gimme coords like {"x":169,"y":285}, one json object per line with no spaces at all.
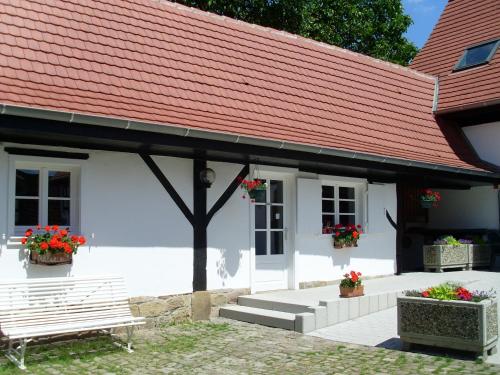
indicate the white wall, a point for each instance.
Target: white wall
{"x":376,"y":252}
{"x":476,"y":208}
{"x":485,"y":139}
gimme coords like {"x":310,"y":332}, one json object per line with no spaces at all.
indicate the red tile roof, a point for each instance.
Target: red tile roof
{"x":463,"y":23}
{"x":154,"y":61}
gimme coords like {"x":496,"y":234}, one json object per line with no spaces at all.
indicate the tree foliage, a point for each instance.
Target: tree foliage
{"x":372,"y":27}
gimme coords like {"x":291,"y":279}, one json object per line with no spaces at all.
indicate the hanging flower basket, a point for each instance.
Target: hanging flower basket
{"x":429,"y":198}
{"x":257,"y":195}
{"x":51,"y":246}
{"x":426,"y":204}
{"x":256,"y":189}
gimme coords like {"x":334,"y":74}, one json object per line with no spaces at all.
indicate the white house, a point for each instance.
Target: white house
{"x":110,"y":116}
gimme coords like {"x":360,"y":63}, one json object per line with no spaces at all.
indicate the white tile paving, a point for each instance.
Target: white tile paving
{"x":380,"y":329}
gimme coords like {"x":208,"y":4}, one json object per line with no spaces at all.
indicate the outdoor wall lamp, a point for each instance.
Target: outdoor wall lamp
{"x":207,"y":177}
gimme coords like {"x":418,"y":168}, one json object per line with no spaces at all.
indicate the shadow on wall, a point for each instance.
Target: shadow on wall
{"x":228,"y":264}
{"x":38,"y":271}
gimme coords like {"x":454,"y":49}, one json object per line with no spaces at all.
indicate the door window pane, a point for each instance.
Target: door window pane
{"x":260,"y":217}
{"x":27,"y":183}
{"x":59,"y":212}
{"x":276,"y":217}
{"x":276,"y":191}
{"x":26,"y":212}
{"x":347,"y":219}
{"x":276,"y":243}
{"x":59,"y":184}
{"x":260,"y":243}
{"x":327,"y":191}
{"x":346,"y":193}
{"x":347,"y":207}
{"x":328,"y":206}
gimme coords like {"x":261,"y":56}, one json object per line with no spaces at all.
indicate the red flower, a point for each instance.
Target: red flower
{"x":337,"y":234}
{"x":425,"y":294}
{"x":358,"y":226}
{"x":359,"y":273}
{"x":74,"y":239}
{"x":81,"y":240}
{"x":53,"y":243}
{"x":44,"y":246}
{"x":55,"y":227}
{"x":38,"y":227}
{"x":67,"y":248}
{"x":28,"y":233}
{"x":24,"y":240}
{"x":63,"y":232}
{"x":47,"y":228}
{"x":355,"y":234}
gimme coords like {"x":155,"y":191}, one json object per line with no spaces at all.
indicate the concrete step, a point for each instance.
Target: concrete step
{"x":253,"y":301}
{"x":264,"y":317}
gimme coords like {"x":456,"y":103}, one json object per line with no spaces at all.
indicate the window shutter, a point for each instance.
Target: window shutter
{"x":308,"y":206}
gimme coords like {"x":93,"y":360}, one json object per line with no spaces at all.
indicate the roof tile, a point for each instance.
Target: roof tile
{"x":159,"y":62}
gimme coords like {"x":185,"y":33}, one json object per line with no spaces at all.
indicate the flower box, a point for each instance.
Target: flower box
{"x":479,"y":255}
{"x":462,"y":325}
{"x":348,"y":292}
{"x":50,"y":259}
{"x":439,"y":257}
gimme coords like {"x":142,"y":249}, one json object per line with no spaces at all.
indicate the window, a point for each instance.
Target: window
{"x":338,"y":206}
{"x":45,"y":196}
{"x":477,"y":55}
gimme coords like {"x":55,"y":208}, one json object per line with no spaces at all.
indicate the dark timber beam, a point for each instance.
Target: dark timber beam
{"x":400,"y":227}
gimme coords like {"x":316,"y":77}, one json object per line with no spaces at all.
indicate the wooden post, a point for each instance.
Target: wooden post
{"x":199,"y":227}
{"x":400,"y":226}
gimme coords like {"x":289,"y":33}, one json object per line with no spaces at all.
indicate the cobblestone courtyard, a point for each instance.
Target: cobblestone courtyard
{"x":228,"y":347}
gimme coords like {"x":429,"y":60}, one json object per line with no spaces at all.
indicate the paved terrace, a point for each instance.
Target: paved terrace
{"x":229,"y":347}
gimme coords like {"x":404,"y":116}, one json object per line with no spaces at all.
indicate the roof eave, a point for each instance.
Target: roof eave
{"x":173,"y":129}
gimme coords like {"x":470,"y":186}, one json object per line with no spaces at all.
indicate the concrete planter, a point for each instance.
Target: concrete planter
{"x":479,"y":256}
{"x":439,"y":257}
{"x":458,"y":325}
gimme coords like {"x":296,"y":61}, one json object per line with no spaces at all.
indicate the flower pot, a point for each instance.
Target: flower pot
{"x":439,"y":257}
{"x":338,"y":245}
{"x":347,"y":292}
{"x":426,"y":204}
{"x":458,"y":325}
{"x":50,"y":259}
{"x":258,"y":195}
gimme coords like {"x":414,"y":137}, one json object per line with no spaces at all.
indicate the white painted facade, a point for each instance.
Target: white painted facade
{"x":485,"y":139}
{"x":135,"y":229}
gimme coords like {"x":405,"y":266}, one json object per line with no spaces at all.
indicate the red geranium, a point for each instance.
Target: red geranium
{"x":53,"y":241}
{"x":351,"y":279}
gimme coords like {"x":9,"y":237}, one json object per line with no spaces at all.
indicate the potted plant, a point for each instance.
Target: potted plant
{"x":351,"y":285}
{"x":449,"y":316}
{"x":446,"y":252}
{"x":429,"y":198}
{"x":51,"y":245}
{"x":256,"y":189}
{"x":346,"y":235}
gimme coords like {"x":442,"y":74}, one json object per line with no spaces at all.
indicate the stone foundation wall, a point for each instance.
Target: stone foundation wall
{"x":177,"y":308}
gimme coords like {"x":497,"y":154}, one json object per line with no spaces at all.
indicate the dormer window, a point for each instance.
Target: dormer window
{"x":477,"y":55}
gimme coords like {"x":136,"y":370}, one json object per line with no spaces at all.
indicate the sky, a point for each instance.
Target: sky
{"x":425,"y":14}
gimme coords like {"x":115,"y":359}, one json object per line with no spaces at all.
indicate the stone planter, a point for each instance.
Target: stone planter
{"x":50,"y":259}
{"x":458,"y":325}
{"x":439,"y":257}
{"x":479,"y":256}
{"x":351,"y":292}
{"x":343,"y":245}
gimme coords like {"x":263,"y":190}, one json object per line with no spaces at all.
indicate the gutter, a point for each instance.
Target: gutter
{"x":173,"y":129}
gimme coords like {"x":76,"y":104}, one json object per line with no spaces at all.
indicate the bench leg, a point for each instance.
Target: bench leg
{"x":16,"y":355}
{"x":130,"y":332}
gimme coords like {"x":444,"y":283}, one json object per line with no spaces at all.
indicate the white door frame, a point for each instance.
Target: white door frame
{"x":288,"y":176}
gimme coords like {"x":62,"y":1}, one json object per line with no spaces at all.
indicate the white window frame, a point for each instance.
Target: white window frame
{"x":359,"y":209}
{"x":44,"y":165}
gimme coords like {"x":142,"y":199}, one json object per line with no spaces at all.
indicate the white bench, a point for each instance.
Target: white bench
{"x":44,"y":307}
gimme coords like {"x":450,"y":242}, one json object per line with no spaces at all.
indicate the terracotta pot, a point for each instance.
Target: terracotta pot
{"x":346,"y":292}
{"x":50,"y":259}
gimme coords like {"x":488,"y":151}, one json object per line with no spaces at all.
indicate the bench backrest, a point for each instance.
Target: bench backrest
{"x":33,"y":302}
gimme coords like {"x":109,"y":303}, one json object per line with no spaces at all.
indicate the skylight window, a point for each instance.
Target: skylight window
{"x":477,"y":55}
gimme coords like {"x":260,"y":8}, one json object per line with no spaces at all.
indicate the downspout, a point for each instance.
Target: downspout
{"x":436,"y":95}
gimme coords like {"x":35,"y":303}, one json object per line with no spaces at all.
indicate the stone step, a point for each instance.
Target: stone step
{"x":252,"y":301}
{"x":270,"y":318}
